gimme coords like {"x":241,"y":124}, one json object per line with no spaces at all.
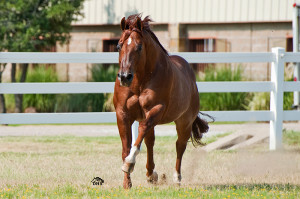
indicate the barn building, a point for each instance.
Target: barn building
{"x":186,"y":26}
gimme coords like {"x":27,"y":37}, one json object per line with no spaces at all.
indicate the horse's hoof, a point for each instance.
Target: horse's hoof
{"x":128,"y":167}
{"x":127,"y":183}
{"x":153,"y":178}
{"x":177,"y":178}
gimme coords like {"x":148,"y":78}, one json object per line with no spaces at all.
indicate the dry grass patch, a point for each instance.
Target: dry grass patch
{"x":67,"y":164}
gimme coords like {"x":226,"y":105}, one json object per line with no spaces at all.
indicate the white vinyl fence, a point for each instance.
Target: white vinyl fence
{"x":276,"y":87}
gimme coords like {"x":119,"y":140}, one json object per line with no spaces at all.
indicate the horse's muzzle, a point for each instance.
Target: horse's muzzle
{"x":125,"y":78}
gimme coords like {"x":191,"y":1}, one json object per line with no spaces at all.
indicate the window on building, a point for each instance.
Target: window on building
{"x":201,"y":45}
{"x":110,"y":45}
{"x":207,"y":45}
{"x":289,"y":44}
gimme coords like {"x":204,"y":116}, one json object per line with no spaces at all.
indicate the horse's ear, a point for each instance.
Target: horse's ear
{"x":123,"y":23}
{"x":139,"y":24}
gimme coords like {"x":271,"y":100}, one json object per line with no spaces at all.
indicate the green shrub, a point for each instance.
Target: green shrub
{"x":261,"y":101}
{"x":79,"y":102}
{"x":288,"y":100}
{"x":104,"y":73}
{"x":67,"y":102}
{"x":223,"y":101}
{"x":42,"y":102}
{"x":90,"y":102}
{"x":10,"y":102}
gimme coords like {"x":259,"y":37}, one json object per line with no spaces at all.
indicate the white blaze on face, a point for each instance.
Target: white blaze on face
{"x":129,"y":41}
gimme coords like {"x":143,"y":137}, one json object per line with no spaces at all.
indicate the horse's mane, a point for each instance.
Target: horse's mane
{"x":131,"y":24}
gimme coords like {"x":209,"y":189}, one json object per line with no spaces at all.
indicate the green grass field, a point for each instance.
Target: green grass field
{"x":63,"y":167}
{"x":221,"y":191}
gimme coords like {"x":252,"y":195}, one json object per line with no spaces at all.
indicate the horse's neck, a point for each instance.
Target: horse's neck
{"x":155,"y":59}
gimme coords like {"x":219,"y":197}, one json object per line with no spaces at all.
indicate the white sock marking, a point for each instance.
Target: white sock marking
{"x":133,"y":153}
{"x":176,"y":177}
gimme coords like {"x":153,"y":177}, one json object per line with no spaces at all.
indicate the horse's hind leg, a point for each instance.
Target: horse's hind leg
{"x":184,"y":133}
{"x":149,"y":139}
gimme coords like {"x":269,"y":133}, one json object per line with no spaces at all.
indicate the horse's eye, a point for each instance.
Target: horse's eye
{"x":119,"y":47}
{"x":139,"y":47}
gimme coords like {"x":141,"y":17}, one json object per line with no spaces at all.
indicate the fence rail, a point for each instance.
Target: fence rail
{"x":109,"y":58}
{"x":276,"y":87}
{"x":108,"y":87}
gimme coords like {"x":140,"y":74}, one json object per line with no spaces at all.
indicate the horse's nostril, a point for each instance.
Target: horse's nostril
{"x":129,"y":76}
{"x":123,"y":77}
{"x":119,"y":76}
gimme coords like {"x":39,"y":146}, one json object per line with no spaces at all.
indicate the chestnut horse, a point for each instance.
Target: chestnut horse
{"x":153,"y":88}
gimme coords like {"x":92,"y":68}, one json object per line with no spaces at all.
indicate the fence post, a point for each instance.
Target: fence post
{"x":135,"y":132}
{"x":276,"y":98}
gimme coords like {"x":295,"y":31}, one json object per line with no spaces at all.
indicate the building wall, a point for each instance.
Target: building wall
{"x":240,"y":25}
{"x":251,"y":37}
{"x":239,"y":37}
{"x":245,"y":25}
{"x":88,"y":39}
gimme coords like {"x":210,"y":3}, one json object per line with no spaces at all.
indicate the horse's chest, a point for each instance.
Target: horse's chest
{"x":139,"y":105}
{"x":132,"y":102}
{"x":134,"y":107}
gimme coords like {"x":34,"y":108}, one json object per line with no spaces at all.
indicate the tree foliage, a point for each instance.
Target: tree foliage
{"x":35,"y":25}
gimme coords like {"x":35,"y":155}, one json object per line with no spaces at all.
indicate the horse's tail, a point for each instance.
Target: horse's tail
{"x":199,"y":127}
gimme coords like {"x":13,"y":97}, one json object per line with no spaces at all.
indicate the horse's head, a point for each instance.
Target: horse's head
{"x":131,"y":47}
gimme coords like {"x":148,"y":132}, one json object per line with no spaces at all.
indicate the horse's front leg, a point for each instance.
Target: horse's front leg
{"x":152,"y":118}
{"x":124,"y":125}
{"x":152,"y":176}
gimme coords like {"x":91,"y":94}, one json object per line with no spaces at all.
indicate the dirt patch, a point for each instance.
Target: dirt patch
{"x":250,"y":165}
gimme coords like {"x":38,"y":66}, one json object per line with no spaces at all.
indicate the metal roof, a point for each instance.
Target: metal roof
{"x":101,"y":12}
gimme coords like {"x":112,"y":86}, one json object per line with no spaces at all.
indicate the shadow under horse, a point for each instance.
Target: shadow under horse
{"x":153,"y":88}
